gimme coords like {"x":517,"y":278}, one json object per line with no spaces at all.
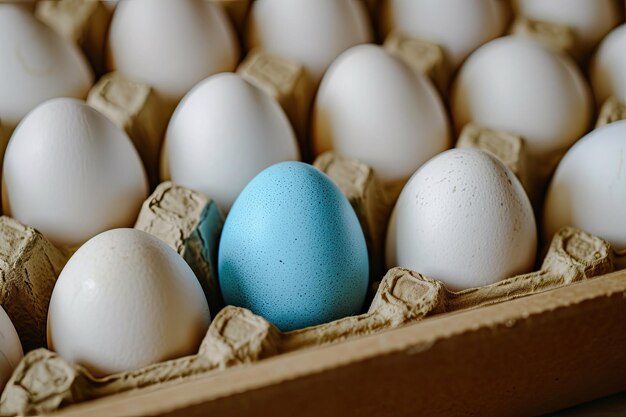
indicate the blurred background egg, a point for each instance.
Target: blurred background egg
{"x":312,"y":32}
{"x":588,"y":190}
{"x":11,"y":352}
{"x":374,"y":108}
{"x":518,"y":86}
{"x":126,"y":300}
{"x":171,"y":45}
{"x":608,"y":68}
{"x":292,"y":249}
{"x":71,"y":173}
{"x":36,"y":65}
{"x":590,"y":20}
{"x":223,"y":133}
{"x":457,"y":26}
{"x":464,"y":219}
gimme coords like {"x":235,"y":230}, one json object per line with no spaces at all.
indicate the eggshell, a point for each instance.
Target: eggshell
{"x":588,"y":190}
{"x":457,"y":26}
{"x":516,"y":85}
{"x":608,"y":68}
{"x":126,"y":300}
{"x":171,"y":45}
{"x":10,"y":348}
{"x":36,"y":64}
{"x":372,"y":107}
{"x":312,"y":32}
{"x":464,"y":219}
{"x":223,"y":133}
{"x":71,"y":173}
{"x":292,"y":249}
{"x":589,"y":19}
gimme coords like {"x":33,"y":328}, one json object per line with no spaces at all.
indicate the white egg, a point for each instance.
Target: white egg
{"x":458,"y":26}
{"x":223,"y":133}
{"x":10,"y":348}
{"x":36,"y":65}
{"x":126,"y":300}
{"x":71,"y":173}
{"x":464,"y":219}
{"x":608,"y":68}
{"x":312,"y":32}
{"x":589,"y":19}
{"x":588,"y":190}
{"x":516,"y":85}
{"x":171,"y":45}
{"x":372,"y":107}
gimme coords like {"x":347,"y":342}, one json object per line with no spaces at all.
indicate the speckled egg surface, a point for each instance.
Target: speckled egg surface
{"x":464,"y":219}
{"x":292,"y":249}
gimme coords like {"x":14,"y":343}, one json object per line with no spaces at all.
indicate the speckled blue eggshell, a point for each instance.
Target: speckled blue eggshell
{"x":292,"y":249}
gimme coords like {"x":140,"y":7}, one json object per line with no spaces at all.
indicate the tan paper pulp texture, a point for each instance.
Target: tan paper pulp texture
{"x":553,"y":35}
{"x":43,"y":381}
{"x":29,"y":267}
{"x":523,"y":357}
{"x":422,"y":57}
{"x":134,"y":108}
{"x":84,"y":22}
{"x":191,"y":224}
{"x":286,"y":81}
{"x":612,"y":111}
{"x":507,"y":148}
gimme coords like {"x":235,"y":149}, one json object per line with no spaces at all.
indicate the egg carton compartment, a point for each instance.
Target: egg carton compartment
{"x":190,"y":223}
{"x":44,"y":382}
{"x":611,"y":111}
{"x":559,"y":37}
{"x":85,"y":23}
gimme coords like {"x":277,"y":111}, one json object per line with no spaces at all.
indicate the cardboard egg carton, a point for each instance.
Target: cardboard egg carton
{"x":29,"y":268}
{"x":611,"y":111}
{"x":44,"y":382}
{"x":191,"y":224}
{"x":84,"y":22}
{"x":135,"y":108}
{"x":422,"y":57}
{"x":286,"y":81}
{"x":557,"y":37}
{"x":506,"y":147}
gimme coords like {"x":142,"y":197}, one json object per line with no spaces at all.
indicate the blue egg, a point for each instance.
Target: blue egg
{"x":292,"y":249}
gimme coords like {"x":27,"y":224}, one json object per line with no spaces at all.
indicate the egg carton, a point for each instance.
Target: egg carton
{"x":190,"y":223}
{"x":85,"y":23}
{"x":611,"y":111}
{"x":560,"y":38}
{"x":136,"y":109}
{"x":29,"y":267}
{"x":286,"y":81}
{"x":43,"y":382}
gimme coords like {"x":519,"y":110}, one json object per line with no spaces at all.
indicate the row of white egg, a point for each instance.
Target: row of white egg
{"x":510,"y":84}
{"x":175,"y":54}
{"x":41,"y":145}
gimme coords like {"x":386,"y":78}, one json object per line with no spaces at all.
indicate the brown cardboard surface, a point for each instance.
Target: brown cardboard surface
{"x":135,"y":108}
{"x":558,"y":37}
{"x":611,"y":111}
{"x":524,"y":357}
{"x":44,"y":382}
{"x":422,"y":57}
{"x":83,"y":22}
